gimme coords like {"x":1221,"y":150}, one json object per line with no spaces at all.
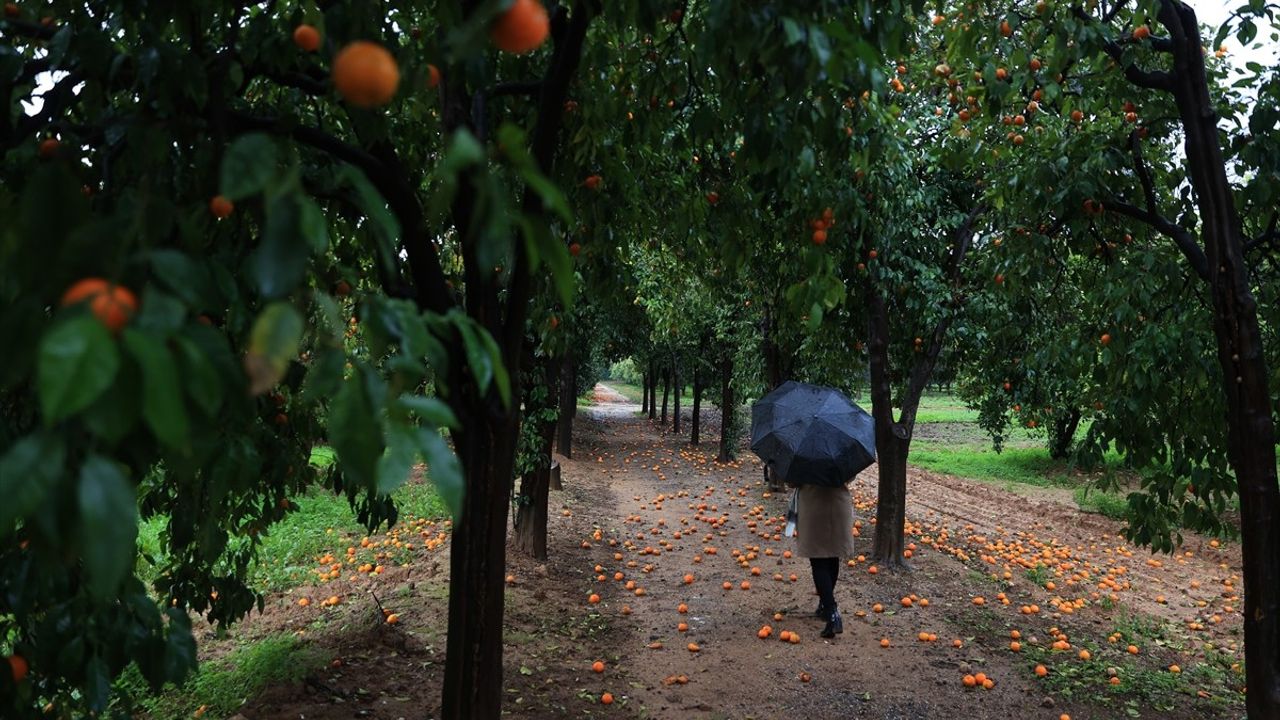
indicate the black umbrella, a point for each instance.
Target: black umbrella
{"x":812,"y":435}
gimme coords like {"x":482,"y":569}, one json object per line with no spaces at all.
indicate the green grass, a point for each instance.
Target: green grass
{"x":936,"y":407}
{"x":321,"y":522}
{"x":1093,"y":500}
{"x":223,"y":685}
{"x":1027,"y":466}
{"x":634,"y":393}
{"x":289,"y":548}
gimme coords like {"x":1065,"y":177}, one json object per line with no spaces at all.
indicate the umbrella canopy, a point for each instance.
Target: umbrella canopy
{"x":812,"y":435}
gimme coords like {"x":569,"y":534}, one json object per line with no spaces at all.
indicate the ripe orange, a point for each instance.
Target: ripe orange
{"x":727,"y":585}
{"x":682,"y":608}
{"x":688,"y":578}
{"x":593,"y":599}
{"x":713,"y":197}
{"x":597,"y":666}
{"x":220,"y":206}
{"x":365,"y":74}
{"x":693,"y":647}
{"x":1141,"y":32}
{"x":392,"y":619}
{"x":969,"y":681}
{"x":113,"y":305}
{"x":1133,"y":649}
{"x":764,"y":632}
{"x":18,"y":666}
{"x":303,"y":602}
{"x":1005,"y":29}
{"x":1015,"y":646}
{"x":592,"y":182}
{"x":606,"y":699}
{"x":884,"y":642}
{"x":11,"y":10}
{"x":306,"y":37}
{"x":1041,"y":671}
{"x":907,"y":602}
{"x":1105,"y":339}
{"x":1175,"y":669}
{"x":48,"y":148}
{"x":433,"y":76}
{"x":522,"y":28}
{"x":819,"y":237}
{"x":682,"y":627}
{"x":1084,"y":655}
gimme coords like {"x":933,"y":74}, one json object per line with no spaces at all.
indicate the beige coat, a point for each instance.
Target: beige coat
{"x":825,"y":524}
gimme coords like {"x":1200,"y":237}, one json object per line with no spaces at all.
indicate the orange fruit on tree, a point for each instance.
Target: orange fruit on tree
{"x":220,"y":207}
{"x":48,"y":148}
{"x":1141,"y":32}
{"x":306,"y":37}
{"x":433,"y":76}
{"x":113,"y":305}
{"x":521,"y":28}
{"x":365,"y":74}
{"x":18,"y":667}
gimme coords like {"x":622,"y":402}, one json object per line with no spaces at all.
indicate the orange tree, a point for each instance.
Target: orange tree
{"x":1131,"y":128}
{"x":274,"y":225}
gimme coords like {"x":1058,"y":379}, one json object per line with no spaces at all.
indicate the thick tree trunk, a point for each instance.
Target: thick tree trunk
{"x":1251,"y":440}
{"x":530,"y":535}
{"x":675,"y":401}
{"x":695,"y":424}
{"x":666,"y":392}
{"x":893,"y":439}
{"x":891,"y":510}
{"x":1063,"y":433}
{"x":568,"y":404}
{"x":777,"y":362}
{"x":486,"y":446}
{"x":726,"y":410}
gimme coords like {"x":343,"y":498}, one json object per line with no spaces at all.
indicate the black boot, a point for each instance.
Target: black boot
{"x":823,"y":612}
{"x":835,"y":624}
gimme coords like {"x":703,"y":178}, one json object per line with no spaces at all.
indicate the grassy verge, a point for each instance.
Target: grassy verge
{"x":223,"y":685}
{"x":286,"y":558}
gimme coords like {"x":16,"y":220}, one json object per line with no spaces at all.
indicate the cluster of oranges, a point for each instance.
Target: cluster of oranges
{"x":821,"y":225}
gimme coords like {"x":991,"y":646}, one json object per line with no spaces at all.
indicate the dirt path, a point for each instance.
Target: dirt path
{"x":641,"y":511}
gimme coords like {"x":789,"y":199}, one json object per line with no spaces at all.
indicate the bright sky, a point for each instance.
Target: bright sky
{"x":1265,"y":49}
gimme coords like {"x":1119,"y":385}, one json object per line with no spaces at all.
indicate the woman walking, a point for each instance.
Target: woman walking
{"x":825,"y":536}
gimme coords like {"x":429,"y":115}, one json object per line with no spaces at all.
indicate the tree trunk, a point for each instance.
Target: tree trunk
{"x":486,"y":445}
{"x":1063,"y":433}
{"x":696,"y":421}
{"x":891,"y":509}
{"x":666,"y":392}
{"x":644,"y":402}
{"x":530,"y":535}
{"x":568,"y":404}
{"x":675,"y":401}
{"x":726,"y":410}
{"x":1251,"y":440}
{"x":653,"y":389}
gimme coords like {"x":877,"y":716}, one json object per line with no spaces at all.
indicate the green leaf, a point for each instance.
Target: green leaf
{"x":312,"y":225}
{"x":28,"y":471}
{"x":356,"y":431}
{"x":397,"y":460}
{"x":76,"y":363}
{"x":248,"y":166}
{"x":443,"y":469}
{"x":202,"y":383}
{"x":479,"y":360}
{"x":162,"y":406}
{"x":273,"y":343}
{"x":324,"y":377}
{"x":109,"y":520}
{"x":430,"y":410}
{"x":280,"y":262}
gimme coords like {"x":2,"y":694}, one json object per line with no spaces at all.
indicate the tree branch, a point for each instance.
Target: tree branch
{"x":1150,"y":79}
{"x":1183,"y":239}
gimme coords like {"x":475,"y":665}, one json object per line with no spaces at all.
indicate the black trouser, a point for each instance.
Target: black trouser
{"x":825,"y":573}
